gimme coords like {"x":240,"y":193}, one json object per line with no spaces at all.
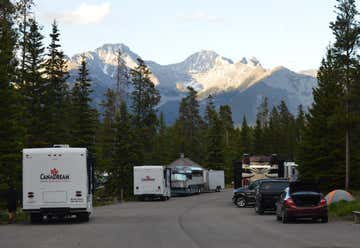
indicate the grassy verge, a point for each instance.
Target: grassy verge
{"x":20,"y":216}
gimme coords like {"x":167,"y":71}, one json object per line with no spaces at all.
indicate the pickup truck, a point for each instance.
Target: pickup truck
{"x":267,"y":194}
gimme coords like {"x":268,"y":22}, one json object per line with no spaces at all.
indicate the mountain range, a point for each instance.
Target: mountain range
{"x":241,"y":84}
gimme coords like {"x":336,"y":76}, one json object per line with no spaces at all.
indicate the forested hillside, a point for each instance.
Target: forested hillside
{"x":39,"y":108}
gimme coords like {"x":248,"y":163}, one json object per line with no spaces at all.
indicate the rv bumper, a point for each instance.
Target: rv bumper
{"x":46,"y":211}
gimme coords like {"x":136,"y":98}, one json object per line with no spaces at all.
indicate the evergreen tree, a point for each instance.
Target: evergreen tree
{"x":245,"y":138}
{"x":321,"y":155}
{"x":24,"y":22}
{"x":214,"y":152}
{"x":263,"y":113}
{"x":274,"y":131}
{"x":122,"y":78}
{"x":57,"y":93}
{"x":11,"y":130}
{"x":33,"y":88}
{"x":300,"y":123}
{"x":84,"y":117}
{"x":145,"y":97}
{"x":227,"y":123}
{"x":163,"y":152}
{"x":107,"y":132}
{"x":124,"y":156}
{"x":229,"y":141}
{"x":258,"y":146}
{"x":346,"y":30}
{"x":189,"y":127}
{"x":287,"y":131}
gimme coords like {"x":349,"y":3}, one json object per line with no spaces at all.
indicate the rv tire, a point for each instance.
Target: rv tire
{"x":83,"y":217}
{"x":35,"y":218}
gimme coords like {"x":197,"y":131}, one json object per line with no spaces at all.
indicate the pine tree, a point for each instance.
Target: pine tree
{"x":346,"y":30}
{"x":24,"y":13}
{"x":124,"y":157}
{"x":258,"y":146}
{"x":11,"y":130}
{"x":107,"y":132}
{"x":84,"y":117}
{"x":300,"y":125}
{"x":145,"y":97}
{"x":122,"y":79}
{"x":287,"y":133}
{"x":263,"y":113}
{"x":57,"y":92}
{"x":227,"y":123}
{"x":274,"y":131}
{"x":321,"y":155}
{"x":245,"y":138}
{"x":163,"y":152}
{"x":189,"y":127}
{"x":33,"y":88}
{"x":214,"y":151}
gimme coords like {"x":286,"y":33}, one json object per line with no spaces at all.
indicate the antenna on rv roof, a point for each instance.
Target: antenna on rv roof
{"x":61,"y":146}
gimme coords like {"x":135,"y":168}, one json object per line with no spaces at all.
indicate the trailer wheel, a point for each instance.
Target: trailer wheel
{"x":35,"y":218}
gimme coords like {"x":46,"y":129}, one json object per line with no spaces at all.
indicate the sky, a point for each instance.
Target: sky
{"x":292,"y":33}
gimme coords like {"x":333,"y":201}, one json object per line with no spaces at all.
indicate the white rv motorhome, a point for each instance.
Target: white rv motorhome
{"x":215,"y":180}
{"x":152,"y":182}
{"x":57,"y":182}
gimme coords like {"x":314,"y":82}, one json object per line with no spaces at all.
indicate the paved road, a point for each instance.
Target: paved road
{"x":208,"y":220}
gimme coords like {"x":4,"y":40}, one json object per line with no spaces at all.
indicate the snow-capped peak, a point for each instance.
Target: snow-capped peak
{"x":201,"y":62}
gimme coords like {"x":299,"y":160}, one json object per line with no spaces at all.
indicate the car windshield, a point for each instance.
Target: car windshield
{"x":274,"y":186}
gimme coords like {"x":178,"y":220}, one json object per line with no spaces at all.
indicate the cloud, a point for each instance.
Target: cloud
{"x":86,"y":14}
{"x":199,"y":16}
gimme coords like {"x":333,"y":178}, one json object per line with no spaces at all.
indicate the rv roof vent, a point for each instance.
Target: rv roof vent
{"x":61,"y":146}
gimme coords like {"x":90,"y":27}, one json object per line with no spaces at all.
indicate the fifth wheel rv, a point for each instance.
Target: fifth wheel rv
{"x":57,"y":182}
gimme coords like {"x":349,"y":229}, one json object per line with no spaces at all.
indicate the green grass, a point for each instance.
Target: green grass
{"x":20,"y":216}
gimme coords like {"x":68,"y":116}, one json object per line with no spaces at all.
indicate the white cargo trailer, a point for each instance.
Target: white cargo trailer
{"x":152,"y":182}
{"x":57,"y":182}
{"x":215,"y":180}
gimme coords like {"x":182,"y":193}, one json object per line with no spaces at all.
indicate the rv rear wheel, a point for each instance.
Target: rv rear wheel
{"x":83,"y":217}
{"x":35,"y":218}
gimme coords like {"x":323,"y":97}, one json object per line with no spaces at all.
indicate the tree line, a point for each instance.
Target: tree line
{"x":39,"y":108}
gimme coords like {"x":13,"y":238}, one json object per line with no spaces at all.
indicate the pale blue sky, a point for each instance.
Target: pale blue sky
{"x":293,"y":33}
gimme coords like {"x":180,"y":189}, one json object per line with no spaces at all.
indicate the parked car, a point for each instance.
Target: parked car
{"x":267,"y":193}
{"x":245,"y":196}
{"x":301,"y":200}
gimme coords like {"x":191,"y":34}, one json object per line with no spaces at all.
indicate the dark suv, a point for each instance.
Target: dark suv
{"x":268,"y":193}
{"x":245,"y":196}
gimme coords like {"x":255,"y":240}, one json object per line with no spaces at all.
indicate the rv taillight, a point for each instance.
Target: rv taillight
{"x":78,"y":193}
{"x":30,"y":194}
